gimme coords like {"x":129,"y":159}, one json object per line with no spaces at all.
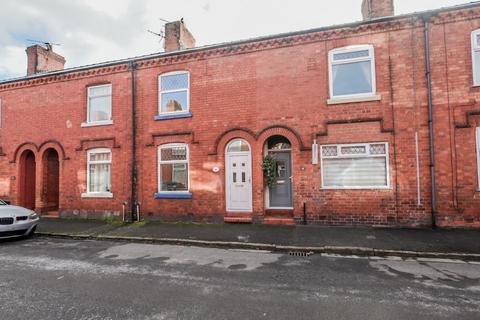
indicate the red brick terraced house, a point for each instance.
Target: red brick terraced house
{"x":370,"y":123}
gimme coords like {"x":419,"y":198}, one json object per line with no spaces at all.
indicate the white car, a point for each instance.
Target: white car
{"x":16,"y":221}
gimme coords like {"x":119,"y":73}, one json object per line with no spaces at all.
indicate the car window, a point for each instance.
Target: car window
{"x":3,"y":203}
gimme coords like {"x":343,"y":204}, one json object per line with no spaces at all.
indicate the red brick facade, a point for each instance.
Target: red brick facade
{"x":277,"y":86}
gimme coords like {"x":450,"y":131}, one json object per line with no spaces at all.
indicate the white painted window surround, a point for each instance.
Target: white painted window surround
{"x":174,"y":93}
{"x":99,"y":173}
{"x":352,"y":73}
{"x":99,"y":106}
{"x":476,"y":57}
{"x":173,"y":175}
{"x":355,"y":166}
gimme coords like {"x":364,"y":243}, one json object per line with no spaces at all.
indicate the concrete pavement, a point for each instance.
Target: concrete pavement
{"x":453,"y":244}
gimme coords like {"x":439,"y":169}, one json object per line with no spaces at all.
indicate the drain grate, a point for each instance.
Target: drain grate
{"x":300,"y":253}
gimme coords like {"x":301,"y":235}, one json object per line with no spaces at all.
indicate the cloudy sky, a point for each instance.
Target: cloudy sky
{"x":91,"y":31}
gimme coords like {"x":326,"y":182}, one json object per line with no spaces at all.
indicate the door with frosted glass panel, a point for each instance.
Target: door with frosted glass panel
{"x":239,"y":183}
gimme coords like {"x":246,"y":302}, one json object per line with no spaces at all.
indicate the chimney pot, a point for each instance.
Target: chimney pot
{"x":40,"y":59}
{"x":178,"y":37}
{"x":372,"y":9}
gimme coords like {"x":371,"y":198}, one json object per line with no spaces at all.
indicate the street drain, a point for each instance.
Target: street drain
{"x":300,"y":253}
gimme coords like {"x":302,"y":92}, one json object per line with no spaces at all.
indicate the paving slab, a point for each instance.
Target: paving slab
{"x":411,"y":240}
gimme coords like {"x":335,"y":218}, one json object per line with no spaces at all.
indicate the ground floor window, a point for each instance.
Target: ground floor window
{"x":350,"y":166}
{"x":99,"y":173}
{"x":173,"y":168}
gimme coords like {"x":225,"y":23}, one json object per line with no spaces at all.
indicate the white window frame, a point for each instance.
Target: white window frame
{"x":89,"y":123}
{"x":90,"y":194}
{"x":365,"y":155}
{"x":160,"y":92}
{"x":478,"y":157}
{"x":475,"y":49}
{"x":160,"y":162}
{"x":348,"y":49}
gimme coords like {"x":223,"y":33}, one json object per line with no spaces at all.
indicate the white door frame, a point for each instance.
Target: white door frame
{"x":249,"y":182}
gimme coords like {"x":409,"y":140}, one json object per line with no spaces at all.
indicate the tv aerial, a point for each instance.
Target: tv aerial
{"x":48,"y":44}
{"x":160,"y":34}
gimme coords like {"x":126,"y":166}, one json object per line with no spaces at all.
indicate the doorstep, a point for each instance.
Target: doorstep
{"x":50,"y":214}
{"x":279,"y":221}
{"x":233,"y":217}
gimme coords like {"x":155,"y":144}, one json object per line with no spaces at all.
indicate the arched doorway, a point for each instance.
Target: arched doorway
{"x":280,"y":194}
{"x":50,"y":181}
{"x":238,"y":176}
{"x":27,"y":180}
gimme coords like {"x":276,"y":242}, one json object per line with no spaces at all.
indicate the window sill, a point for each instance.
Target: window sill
{"x":96,"y":124}
{"x":334,"y":101}
{"x":173,"y":195}
{"x":173,"y":116}
{"x":105,"y":195}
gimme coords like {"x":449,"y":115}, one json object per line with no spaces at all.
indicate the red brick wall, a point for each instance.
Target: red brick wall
{"x":454,"y":96}
{"x":272,"y":87}
{"x":49,"y":115}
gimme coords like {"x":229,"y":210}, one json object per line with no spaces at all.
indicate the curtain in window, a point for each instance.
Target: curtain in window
{"x":100,"y":109}
{"x":100,"y":178}
{"x":100,"y":172}
{"x":355,"y":172}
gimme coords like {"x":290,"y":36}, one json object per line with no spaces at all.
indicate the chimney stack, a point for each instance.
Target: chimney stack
{"x":177,"y":36}
{"x":372,"y":9}
{"x":40,"y":59}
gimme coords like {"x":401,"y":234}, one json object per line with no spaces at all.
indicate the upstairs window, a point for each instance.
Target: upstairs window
{"x":355,"y":166}
{"x":99,"y":168}
{"x":173,"y":168}
{"x":99,"y":104}
{"x":174,"y":92}
{"x":476,"y":57}
{"x":352,"y":72}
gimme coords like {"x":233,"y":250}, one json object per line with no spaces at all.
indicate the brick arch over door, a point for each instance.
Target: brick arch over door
{"x":261,"y":136}
{"x":39,"y":149}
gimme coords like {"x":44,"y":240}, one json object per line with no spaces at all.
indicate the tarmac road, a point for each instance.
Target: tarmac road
{"x":44,"y":278}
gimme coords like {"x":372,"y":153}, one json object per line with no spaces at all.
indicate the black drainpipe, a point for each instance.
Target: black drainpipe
{"x":426,"y":24}
{"x":134,"y":199}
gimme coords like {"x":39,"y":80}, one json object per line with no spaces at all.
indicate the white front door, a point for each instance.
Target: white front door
{"x":239,"y":182}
